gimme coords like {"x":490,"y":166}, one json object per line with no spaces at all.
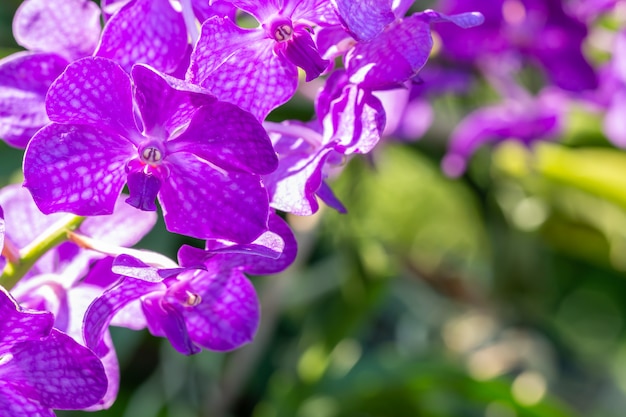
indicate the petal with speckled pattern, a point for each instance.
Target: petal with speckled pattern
{"x":95,"y":92}
{"x":228,"y":315}
{"x":24,"y":81}
{"x":76,"y":168}
{"x":145,"y":31}
{"x":70,"y":28}
{"x":228,"y":137}
{"x":201,"y":201}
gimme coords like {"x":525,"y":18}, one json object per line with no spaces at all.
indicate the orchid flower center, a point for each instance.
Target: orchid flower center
{"x":279,"y":28}
{"x":283,"y":33}
{"x":192,"y":299}
{"x":151,"y":154}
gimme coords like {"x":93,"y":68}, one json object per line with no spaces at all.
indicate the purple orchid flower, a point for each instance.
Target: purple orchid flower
{"x":390,"y":49}
{"x":527,"y":120}
{"x":202,"y":157}
{"x":56,"y":32}
{"x":536,"y":29}
{"x":351,"y":120}
{"x":41,"y":368}
{"x":256,"y":69}
{"x":206,"y":302}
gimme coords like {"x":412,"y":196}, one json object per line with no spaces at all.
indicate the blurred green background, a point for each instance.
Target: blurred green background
{"x":501,"y":294}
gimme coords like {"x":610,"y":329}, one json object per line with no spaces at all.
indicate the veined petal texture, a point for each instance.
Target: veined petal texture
{"x":145,"y":31}
{"x":104,"y":308}
{"x":365,"y":19}
{"x":56,"y":371}
{"x":239,"y":66}
{"x":70,"y":28}
{"x":14,"y":404}
{"x":76,"y":168}
{"x":391,"y":58}
{"x":18,"y":325}
{"x":200,"y":200}
{"x":95,"y":92}
{"x":228,"y":137}
{"x":24,"y":81}
{"x":165,"y":103}
{"x":228,"y":315}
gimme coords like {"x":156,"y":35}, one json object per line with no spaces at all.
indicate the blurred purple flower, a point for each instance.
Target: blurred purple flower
{"x":525,"y":120}
{"x":202,"y":157}
{"x":540,"y":30}
{"x":42,"y":368}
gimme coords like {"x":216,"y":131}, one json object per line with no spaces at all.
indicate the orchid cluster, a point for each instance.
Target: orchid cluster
{"x":125,"y":103}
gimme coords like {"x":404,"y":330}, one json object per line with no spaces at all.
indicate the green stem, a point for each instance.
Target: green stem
{"x":51,"y":237}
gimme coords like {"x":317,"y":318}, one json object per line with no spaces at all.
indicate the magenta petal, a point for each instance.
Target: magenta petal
{"x":145,"y":31}
{"x":70,"y":28}
{"x":101,"y":311}
{"x":301,"y":51}
{"x":14,"y":404}
{"x":228,"y":137}
{"x":19,"y":325}
{"x":125,"y":227}
{"x":271,"y":253}
{"x":165,"y":103}
{"x":143,"y":189}
{"x":333,"y":41}
{"x":57,"y":372}
{"x":130,"y":266}
{"x":462,"y":20}
{"x":239,"y":66}
{"x":112,"y":370}
{"x":228,"y":315}
{"x":24,"y":81}
{"x":293,"y":185}
{"x":96,"y":92}
{"x":393,"y":57}
{"x":365,"y":19}
{"x":201,"y":201}
{"x":357,"y":118}
{"x":164,"y":319}
{"x":78,"y":169}
{"x":325,"y":193}
{"x":264,"y":265}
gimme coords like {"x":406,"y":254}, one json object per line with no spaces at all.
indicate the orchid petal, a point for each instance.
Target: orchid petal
{"x":70,"y":28}
{"x":201,"y":201}
{"x":96,"y":92}
{"x":78,"y":169}
{"x":225,"y":135}
{"x":24,"y":81}
{"x":228,"y":314}
{"x":145,"y":31}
